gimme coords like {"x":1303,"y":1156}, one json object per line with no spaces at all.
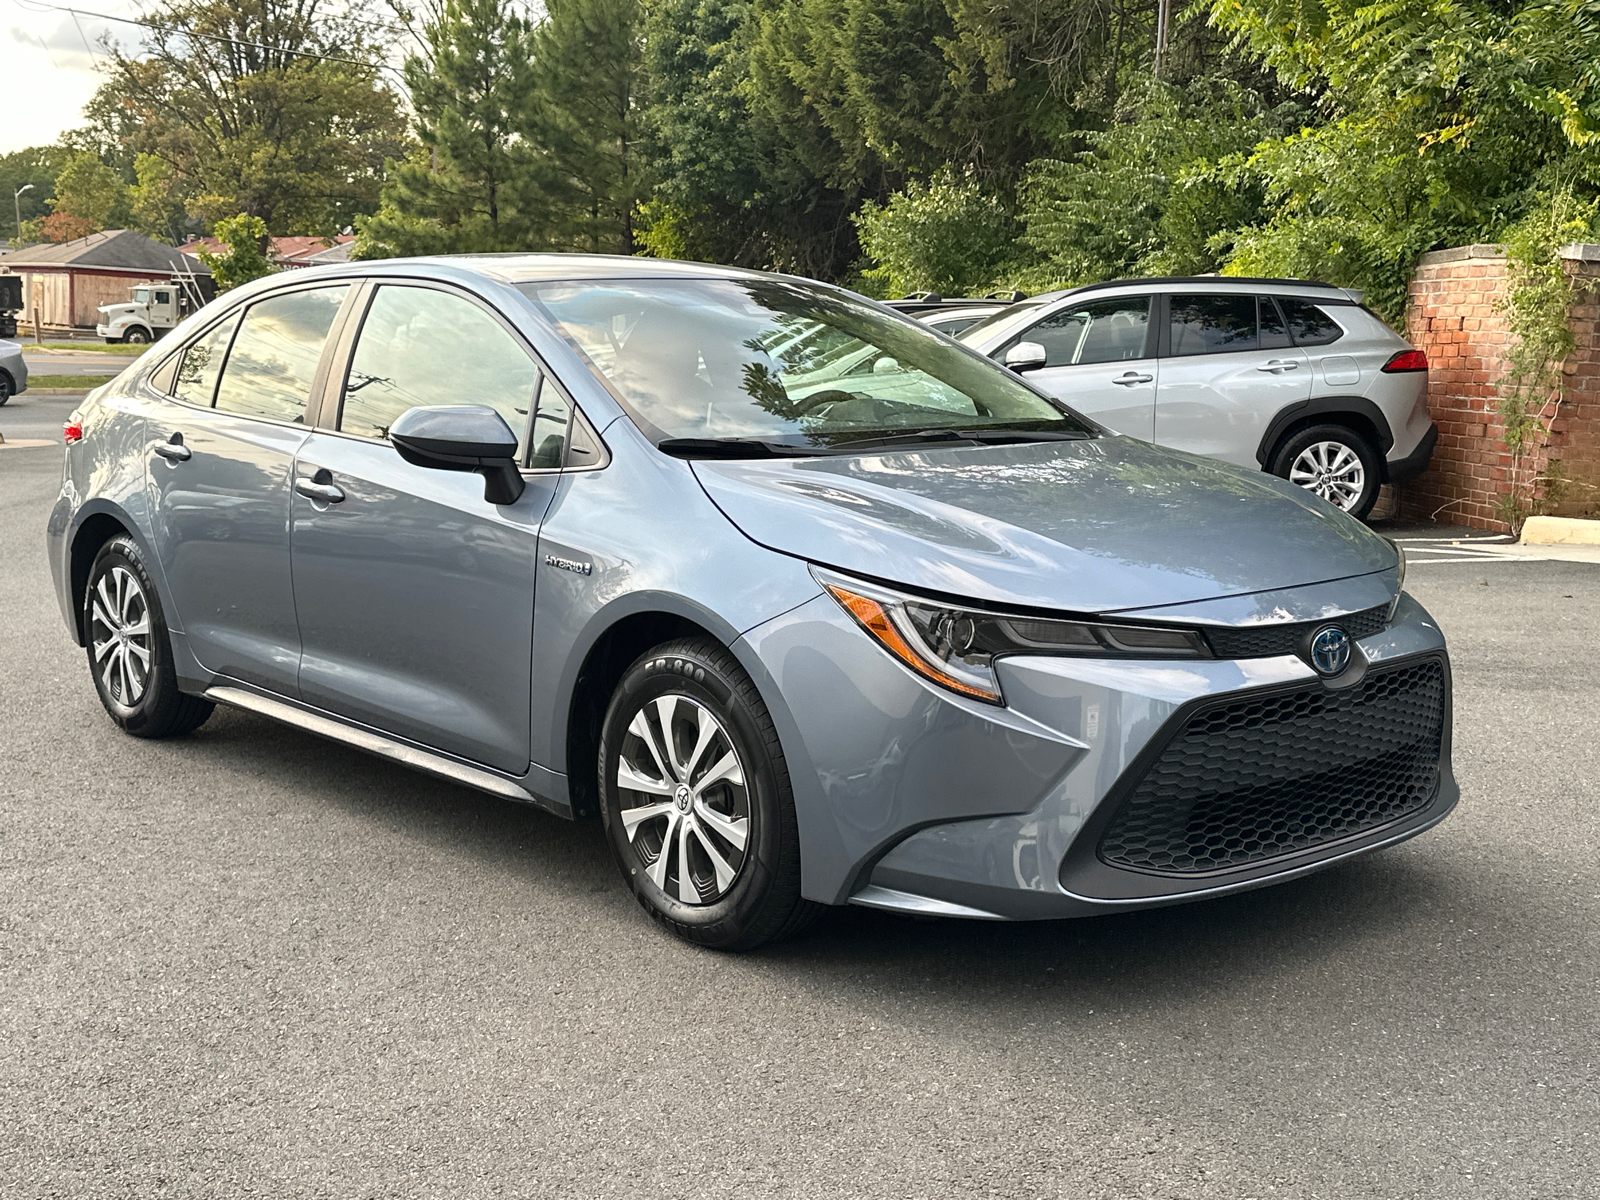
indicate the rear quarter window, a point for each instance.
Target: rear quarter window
{"x":1308,"y":324}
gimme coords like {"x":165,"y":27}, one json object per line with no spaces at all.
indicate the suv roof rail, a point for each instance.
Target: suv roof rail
{"x":1203,"y":279}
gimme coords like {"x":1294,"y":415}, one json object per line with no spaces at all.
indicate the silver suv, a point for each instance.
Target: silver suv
{"x":1296,"y":378}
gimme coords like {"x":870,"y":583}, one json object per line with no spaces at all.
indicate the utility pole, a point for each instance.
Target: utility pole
{"x":1163,"y":8}
{"x":16,"y":205}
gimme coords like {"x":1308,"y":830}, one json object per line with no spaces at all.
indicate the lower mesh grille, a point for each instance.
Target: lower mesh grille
{"x":1252,"y":779}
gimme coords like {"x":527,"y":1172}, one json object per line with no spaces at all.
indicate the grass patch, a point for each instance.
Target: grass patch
{"x":67,"y":381}
{"x":90,"y":347}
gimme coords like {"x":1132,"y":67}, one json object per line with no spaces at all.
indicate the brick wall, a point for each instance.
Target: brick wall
{"x":1453,"y":317}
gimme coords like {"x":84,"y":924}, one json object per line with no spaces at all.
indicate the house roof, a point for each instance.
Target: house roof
{"x":295,"y":251}
{"x":111,"y":249}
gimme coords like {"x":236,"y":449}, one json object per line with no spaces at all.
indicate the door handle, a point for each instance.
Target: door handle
{"x":326,"y":493}
{"x":173,"y":449}
{"x":1276,"y":365}
{"x":1131,"y":378}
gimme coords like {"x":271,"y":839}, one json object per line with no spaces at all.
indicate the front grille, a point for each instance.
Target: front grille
{"x":1268,"y":641}
{"x":1252,"y":779}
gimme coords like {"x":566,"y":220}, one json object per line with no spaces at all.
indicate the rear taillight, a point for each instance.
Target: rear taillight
{"x":1406,"y":360}
{"x":72,"y":431}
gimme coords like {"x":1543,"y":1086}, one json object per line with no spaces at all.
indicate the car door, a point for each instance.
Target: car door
{"x":1227,"y":368}
{"x":221,"y":455}
{"x":414,"y":593}
{"x":1100,"y":361}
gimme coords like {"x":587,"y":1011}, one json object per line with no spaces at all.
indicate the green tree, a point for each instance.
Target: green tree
{"x":1442,"y":122}
{"x":270,"y":107}
{"x":93,"y":193}
{"x":585,"y":120}
{"x":471,"y":186}
{"x":157,"y":210}
{"x":949,"y":236}
{"x":245,"y":236}
{"x":38,"y":166}
{"x":1148,"y":195}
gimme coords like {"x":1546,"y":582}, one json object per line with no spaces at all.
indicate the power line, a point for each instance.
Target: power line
{"x":40,"y":6}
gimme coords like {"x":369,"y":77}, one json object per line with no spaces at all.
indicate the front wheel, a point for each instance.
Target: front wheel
{"x":130,"y":656}
{"x":136,"y":337}
{"x":1336,"y":463}
{"x":696,"y":800}
{"x":6,"y":388}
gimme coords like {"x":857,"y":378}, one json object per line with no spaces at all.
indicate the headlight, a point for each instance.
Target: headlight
{"x":957,"y":647}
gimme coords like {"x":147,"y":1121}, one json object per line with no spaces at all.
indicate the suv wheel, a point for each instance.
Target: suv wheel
{"x":130,"y":656}
{"x":1336,"y":463}
{"x":696,"y":800}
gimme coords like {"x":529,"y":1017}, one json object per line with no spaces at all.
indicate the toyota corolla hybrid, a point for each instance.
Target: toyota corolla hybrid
{"x":810,"y":604}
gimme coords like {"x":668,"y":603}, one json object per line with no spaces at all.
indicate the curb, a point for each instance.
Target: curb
{"x":1560,"y":531}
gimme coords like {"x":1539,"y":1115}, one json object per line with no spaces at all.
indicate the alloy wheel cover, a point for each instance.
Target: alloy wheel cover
{"x":1333,"y":471}
{"x":119,"y":632}
{"x":685,"y":803}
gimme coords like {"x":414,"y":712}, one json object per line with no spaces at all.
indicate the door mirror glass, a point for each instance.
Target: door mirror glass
{"x":461,"y":437}
{"x":1025,"y":356}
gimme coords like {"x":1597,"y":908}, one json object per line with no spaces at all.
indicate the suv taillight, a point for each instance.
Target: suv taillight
{"x":1406,"y":360}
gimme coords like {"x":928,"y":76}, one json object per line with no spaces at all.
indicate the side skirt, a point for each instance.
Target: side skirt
{"x":381,"y":744}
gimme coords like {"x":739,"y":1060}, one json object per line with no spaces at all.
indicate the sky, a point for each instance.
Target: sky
{"x":50,"y":64}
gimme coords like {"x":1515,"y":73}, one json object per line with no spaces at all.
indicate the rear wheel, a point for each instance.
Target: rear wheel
{"x":130,"y":655}
{"x":696,"y":800}
{"x":1336,"y":463}
{"x":6,"y":388}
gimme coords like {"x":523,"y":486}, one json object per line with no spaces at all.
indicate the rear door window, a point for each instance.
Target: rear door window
{"x":422,"y":346}
{"x":202,"y":364}
{"x":1309,"y":325}
{"x":1213,"y":324}
{"x":274,"y":359}
{"x":1100,"y":331}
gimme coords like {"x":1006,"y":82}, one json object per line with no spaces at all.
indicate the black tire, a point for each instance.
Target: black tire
{"x":1337,"y":487}
{"x":141,"y":698}
{"x":761,"y":902}
{"x":137,"y":337}
{"x":6,"y":388}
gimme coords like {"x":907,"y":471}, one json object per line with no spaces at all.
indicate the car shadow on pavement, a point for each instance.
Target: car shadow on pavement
{"x":1377,"y":905}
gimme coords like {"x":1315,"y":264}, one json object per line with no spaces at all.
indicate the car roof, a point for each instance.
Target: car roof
{"x":516,"y":267}
{"x":1309,"y":288}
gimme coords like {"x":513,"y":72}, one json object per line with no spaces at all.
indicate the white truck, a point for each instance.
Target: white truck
{"x":153,"y":309}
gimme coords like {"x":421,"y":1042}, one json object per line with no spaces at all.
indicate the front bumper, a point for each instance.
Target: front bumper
{"x":913,"y":799}
{"x":110,"y":332}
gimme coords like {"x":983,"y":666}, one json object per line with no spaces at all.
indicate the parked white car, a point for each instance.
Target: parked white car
{"x":1296,"y":378}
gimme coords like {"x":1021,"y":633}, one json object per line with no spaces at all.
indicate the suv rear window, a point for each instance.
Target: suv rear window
{"x":1308,"y":324}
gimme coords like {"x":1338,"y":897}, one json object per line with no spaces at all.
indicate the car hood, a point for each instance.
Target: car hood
{"x":114,"y":309}
{"x":1094,"y":526}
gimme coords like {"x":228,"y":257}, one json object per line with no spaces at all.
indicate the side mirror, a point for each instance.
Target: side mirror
{"x":462,"y":437}
{"x":1025,"y":356}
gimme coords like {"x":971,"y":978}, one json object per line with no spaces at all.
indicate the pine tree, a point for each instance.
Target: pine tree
{"x":584,"y":120}
{"x":473,"y":184}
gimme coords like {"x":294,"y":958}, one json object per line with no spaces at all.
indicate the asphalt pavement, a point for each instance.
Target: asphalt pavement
{"x":253,"y":963}
{"x":72,"y":362}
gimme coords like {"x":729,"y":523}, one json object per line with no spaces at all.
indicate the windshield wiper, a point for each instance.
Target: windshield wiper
{"x":736,"y":448}
{"x":986,"y":437}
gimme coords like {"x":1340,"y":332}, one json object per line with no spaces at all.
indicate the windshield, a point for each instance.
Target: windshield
{"x":141,"y":295}
{"x":779,"y":361}
{"x":1005,"y":322}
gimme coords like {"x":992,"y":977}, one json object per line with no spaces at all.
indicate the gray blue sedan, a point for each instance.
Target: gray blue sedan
{"x":807,"y":603}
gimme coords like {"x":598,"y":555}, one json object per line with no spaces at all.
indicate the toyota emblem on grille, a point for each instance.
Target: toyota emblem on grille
{"x":1330,"y":650}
